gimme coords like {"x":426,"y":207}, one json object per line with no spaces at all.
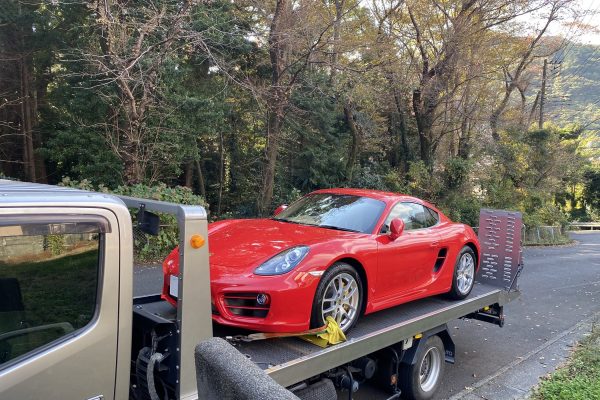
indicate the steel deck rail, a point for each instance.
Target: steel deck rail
{"x":292,"y":360}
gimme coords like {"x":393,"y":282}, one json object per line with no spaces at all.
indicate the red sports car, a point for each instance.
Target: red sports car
{"x":334,"y":252}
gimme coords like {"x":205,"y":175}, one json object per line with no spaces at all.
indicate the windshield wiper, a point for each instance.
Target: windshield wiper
{"x":338,"y":228}
{"x":285,"y":220}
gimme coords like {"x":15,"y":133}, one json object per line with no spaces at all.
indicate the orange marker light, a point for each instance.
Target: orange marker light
{"x":197,"y":241}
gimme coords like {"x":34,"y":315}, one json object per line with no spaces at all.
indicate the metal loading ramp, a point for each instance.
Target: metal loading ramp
{"x":292,"y":360}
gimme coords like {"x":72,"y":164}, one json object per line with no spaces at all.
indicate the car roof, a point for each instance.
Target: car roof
{"x":374,"y":194}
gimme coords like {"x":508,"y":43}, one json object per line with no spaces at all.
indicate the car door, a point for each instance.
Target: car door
{"x":405,"y":265}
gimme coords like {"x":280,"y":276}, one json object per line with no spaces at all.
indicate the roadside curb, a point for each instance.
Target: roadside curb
{"x":517,"y":379}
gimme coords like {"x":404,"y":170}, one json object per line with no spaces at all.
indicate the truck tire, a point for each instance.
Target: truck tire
{"x":419,"y":381}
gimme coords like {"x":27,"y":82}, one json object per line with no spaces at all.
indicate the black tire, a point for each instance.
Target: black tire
{"x":412,"y":385}
{"x":339,"y":269}
{"x":458,"y":290}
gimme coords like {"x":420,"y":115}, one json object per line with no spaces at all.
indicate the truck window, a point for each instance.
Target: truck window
{"x":48,"y":284}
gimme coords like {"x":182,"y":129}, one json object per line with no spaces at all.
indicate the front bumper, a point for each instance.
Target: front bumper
{"x":289,"y":308}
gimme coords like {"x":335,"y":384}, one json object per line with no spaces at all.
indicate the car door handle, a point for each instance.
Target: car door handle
{"x":435,"y":244}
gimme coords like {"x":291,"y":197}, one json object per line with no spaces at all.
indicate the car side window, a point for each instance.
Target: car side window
{"x":415,"y":216}
{"x":432,"y":216}
{"x":48,"y":284}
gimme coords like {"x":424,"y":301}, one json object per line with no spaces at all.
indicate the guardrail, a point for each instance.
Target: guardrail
{"x":585,"y":226}
{"x":543,"y":234}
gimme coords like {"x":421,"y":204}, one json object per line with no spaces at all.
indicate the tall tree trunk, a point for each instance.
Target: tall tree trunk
{"x":277,"y":100}
{"x":424,"y":124}
{"x":201,"y":181}
{"x":273,"y":133}
{"x":26,"y":112}
{"x":234,"y":155}
{"x":405,"y":157}
{"x":27,"y":120}
{"x":464,"y":140}
{"x":221,"y":172}
{"x":354,"y":144}
{"x":533,"y":108}
{"x":496,"y":113}
{"x":132,"y":163}
{"x":189,"y":175}
{"x":339,"y":12}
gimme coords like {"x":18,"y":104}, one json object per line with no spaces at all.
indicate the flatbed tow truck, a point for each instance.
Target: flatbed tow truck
{"x":143,"y":348}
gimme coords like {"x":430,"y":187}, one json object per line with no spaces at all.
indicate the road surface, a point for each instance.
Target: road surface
{"x":560,"y":288}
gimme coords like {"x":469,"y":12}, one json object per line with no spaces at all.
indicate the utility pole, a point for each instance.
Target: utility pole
{"x":543,"y":94}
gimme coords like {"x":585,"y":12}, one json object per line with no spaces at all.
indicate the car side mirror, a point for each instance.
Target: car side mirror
{"x":280,"y":209}
{"x":396,"y":228}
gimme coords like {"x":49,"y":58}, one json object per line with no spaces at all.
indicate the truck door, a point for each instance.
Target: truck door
{"x":59,"y":296}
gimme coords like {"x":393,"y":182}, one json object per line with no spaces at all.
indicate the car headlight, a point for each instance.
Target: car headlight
{"x":283,"y":262}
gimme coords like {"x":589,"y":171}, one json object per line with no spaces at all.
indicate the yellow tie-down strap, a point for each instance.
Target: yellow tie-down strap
{"x":333,"y":335}
{"x":322,"y":337}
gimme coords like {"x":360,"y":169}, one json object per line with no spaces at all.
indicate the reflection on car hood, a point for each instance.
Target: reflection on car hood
{"x":249,"y":242}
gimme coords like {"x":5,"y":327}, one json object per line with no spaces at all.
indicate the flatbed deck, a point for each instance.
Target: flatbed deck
{"x":292,"y":360}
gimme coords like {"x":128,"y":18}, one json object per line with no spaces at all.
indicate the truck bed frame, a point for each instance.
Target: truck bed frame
{"x":293,"y":360}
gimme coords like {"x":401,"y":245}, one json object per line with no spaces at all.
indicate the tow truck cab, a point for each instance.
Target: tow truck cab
{"x":66,"y":278}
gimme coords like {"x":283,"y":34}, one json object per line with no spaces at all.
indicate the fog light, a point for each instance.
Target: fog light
{"x":262,"y":299}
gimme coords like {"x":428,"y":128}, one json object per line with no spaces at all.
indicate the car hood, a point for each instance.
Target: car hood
{"x":248,"y":242}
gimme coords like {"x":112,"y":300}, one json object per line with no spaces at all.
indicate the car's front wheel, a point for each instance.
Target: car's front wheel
{"x":339,"y":295}
{"x":464,"y":274}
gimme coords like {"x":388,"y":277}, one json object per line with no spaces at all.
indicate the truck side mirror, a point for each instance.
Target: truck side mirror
{"x":148,"y":222}
{"x":396,"y":228}
{"x":280,"y":209}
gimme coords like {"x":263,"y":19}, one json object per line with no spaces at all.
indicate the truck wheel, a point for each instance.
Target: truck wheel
{"x":420,"y":380}
{"x":464,"y":274}
{"x":339,"y":295}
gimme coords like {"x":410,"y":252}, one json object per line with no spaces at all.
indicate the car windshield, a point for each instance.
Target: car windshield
{"x":335,"y":211}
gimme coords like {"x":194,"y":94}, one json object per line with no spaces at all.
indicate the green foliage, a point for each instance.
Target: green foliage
{"x":462,"y":208}
{"x":456,"y":172}
{"x":591,"y":189}
{"x":547,"y":214}
{"x":368,"y":177}
{"x":56,"y":244}
{"x":81,"y":154}
{"x":422,"y":182}
{"x":154,"y":248}
{"x":580,"y":378}
{"x":72,"y":279}
{"x":147,"y":247}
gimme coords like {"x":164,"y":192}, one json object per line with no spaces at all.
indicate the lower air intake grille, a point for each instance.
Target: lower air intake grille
{"x":245,"y":305}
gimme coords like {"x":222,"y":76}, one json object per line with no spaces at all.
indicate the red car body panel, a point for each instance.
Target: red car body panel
{"x":394,"y":271}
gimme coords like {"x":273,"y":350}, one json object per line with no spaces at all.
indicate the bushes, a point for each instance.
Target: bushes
{"x":547,"y":214}
{"x":150,"y":248}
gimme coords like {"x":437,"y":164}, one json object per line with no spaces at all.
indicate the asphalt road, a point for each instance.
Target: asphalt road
{"x":560,"y":287}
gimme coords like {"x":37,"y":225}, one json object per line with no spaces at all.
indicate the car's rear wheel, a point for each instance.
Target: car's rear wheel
{"x":339,"y":295}
{"x":464,"y":274}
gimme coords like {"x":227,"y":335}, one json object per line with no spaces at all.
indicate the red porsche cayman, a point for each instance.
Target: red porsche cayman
{"x":334,"y":252}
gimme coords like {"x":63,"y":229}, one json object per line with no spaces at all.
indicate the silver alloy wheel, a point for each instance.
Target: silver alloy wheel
{"x":466,"y":273}
{"x":429,"y":370}
{"x":340,"y":300}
